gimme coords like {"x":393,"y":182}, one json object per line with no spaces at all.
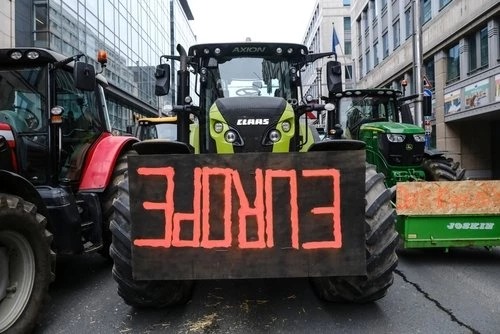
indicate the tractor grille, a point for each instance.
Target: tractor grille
{"x":407,"y":153}
{"x":252,"y":118}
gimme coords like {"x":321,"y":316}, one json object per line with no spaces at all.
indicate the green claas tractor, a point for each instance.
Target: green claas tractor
{"x":248,"y":189}
{"x":427,"y":211}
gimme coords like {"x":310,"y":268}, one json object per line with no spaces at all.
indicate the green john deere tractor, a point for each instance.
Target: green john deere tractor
{"x":393,"y":143}
{"x":432,"y":212}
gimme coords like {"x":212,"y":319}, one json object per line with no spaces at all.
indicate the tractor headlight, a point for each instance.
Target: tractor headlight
{"x":33,"y":55}
{"x":218,"y":127}
{"x":285,"y":126}
{"x":395,"y":138}
{"x":16,"y":55}
{"x":230,"y":136}
{"x":274,"y":136}
{"x":419,"y":138}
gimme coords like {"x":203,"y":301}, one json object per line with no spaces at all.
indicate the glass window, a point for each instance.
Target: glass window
{"x":347,"y":23}
{"x":373,"y":7}
{"x":483,"y":49}
{"x":346,"y":3}
{"x":368,"y":59}
{"x":478,"y":49}
{"x":348,"y":72}
{"x":396,"y":33}
{"x":426,"y":10}
{"x":453,"y":63}
{"x":443,"y":3}
{"x":472,"y":53}
{"x":347,"y":47}
{"x":385,"y":45}
{"x":41,"y":24}
{"x":82,"y":124}
{"x":375,"y":54}
{"x":429,"y":70}
{"x":408,"y":23}
{"x":23,"y":102}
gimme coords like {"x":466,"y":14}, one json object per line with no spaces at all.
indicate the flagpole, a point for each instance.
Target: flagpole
{"x":340,"y":46}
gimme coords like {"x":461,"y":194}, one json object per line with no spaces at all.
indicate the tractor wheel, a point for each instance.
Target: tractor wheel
{"x":148,"y":293}
{"x":108,"y":196}
{"x":439,"y":168}
{"x":380,"y":250}
{"x":26,"y":264}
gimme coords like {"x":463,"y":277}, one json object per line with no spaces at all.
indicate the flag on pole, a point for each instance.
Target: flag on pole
{"x":335,"y":38}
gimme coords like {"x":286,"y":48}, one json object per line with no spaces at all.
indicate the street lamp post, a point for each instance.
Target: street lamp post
{"x":417,"y":61}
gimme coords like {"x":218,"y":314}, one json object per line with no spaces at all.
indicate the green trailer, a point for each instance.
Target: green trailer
{"x":448,"y":214}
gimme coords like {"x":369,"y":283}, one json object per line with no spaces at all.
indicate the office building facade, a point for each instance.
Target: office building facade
{"x":329,"y":30}
{"x":133,"y":33}
{"x":460,"y":67}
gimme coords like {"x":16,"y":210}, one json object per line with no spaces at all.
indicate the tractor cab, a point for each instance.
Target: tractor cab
{"x":54,"y":113}
{"x":250,"y":96}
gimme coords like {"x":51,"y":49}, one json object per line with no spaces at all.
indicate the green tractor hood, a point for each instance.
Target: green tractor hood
{"x":396,"y":149}
{"x":390,"y":127}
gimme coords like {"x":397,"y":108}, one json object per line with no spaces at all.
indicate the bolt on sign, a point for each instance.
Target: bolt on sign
{"x":247,"y":215}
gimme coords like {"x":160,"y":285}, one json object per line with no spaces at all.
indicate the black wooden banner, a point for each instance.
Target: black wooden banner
{"x":248,"y":215}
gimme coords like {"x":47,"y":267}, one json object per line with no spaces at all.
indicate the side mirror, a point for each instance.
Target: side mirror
{"x":334,"y":76}
{"x":84,"y":76}
{"x":162,"y":75}
{"x":406,"y":116}
{"x":427,"y":105}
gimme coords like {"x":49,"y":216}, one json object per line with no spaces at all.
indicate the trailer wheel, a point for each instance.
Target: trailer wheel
{"x":149,"y":293}
{"x":439,"y":168}
{"x":26,"y":264}
{"x":108,"y":196}
{"x":381,"y":243}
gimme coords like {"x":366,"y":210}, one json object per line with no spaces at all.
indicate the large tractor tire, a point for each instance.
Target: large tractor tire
{"x":107,"y":198}
{"x":26,"y":264}
{"x":380,"y":250}
{"x":440,"y":168}
{"x":148,"y":293}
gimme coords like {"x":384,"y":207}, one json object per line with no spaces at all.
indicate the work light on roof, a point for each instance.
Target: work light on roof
{"x":33,"y":55}
{"x":279,"y":51}
{"x":206,"y":51}
{"x":217,"y":51}
{"x":16,"y":55}
{"x":290,"y":50}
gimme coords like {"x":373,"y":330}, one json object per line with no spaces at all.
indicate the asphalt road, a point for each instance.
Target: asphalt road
{"x":433,"y":292}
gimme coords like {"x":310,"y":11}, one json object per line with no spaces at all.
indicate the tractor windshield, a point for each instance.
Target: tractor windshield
{"x":248,"y":76}
{"x":22,"y":99}
{"x":357,"y":110}
{"x":157,"y":131}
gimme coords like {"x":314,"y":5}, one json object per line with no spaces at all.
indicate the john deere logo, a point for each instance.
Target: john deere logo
{"x":409,"y":147}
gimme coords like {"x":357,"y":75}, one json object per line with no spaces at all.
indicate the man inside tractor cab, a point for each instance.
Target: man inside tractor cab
{"x":356,"y":115}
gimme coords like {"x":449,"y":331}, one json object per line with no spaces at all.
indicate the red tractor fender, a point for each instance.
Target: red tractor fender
{"x":8,"y":134}
{"x":101,"y":161}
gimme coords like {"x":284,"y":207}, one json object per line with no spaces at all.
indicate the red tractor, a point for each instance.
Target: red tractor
{"x":59,"y":167}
